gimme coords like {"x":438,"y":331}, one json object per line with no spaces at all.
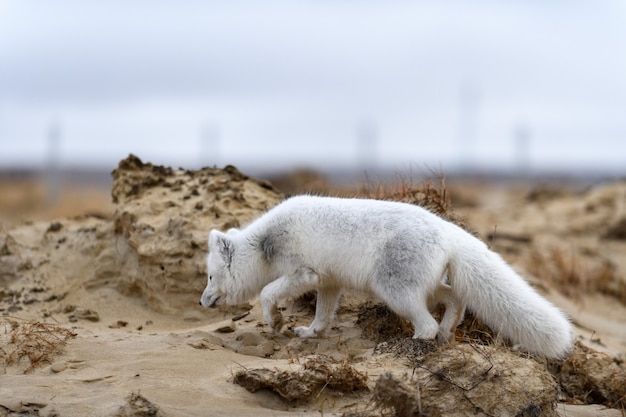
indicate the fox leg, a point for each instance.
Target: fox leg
{"x":424,"y":324}
{"x":455,"y":309}
{"x":325,"y":307}
{"x":269,"y":297}
{"x":412,"y":305}
{"x":301,"y":281}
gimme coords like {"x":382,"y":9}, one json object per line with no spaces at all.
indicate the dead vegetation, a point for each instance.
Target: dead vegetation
{"x":30,"y":344}
{"x":616,"y":231}
{"x":413,"y":350}
{"x":574,"y":274}
{"x":432,"y":194}
{"x":379,"y":323}
{"x":315,"y":375}
{"x":590,"y":377}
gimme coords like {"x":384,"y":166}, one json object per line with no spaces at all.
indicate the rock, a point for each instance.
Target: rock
{"x":83,"y":314}
{"x":58,"y":367}
{"x":118,"y":324}
{"x":204,"y":340}
{"x":263,"y":350}
{"x":54,"y":227}
{"x":228,"y":328}
{"x":250,"y":339}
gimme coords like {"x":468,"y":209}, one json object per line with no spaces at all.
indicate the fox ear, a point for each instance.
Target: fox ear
{"x":232,"y":231}
{"x":213,"y":237}
{"x":221,"y":243}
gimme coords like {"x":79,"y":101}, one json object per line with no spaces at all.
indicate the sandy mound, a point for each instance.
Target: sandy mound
{"x":161,"y":226}
{"x":154,"y":247}
{"x":469,"y":380}
{"x":100,"y":315}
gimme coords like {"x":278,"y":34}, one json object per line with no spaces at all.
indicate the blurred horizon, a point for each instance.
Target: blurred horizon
{"x":515,"y":88}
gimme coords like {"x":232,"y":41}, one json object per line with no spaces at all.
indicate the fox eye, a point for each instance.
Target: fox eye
{"x":210,"y":278}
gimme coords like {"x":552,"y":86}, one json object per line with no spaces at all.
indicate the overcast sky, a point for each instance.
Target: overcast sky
{"x":291,"y":83}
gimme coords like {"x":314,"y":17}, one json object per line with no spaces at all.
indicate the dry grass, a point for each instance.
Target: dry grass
{"x":379,"y":323}
{"x":30,"y":343}
{"x":590,"y":377}
{"x":431,"y":193}
{"x":574,"y":276}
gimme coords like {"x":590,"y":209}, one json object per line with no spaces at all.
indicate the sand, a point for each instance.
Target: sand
{"x":99,"y":315}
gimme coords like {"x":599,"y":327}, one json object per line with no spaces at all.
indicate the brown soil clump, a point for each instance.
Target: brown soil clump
{"x":379,"y":323}
{"x":591,"y":377}
{"x":314,"y":376}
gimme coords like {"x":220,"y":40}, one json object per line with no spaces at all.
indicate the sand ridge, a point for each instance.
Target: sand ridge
{"x":127,"y":287}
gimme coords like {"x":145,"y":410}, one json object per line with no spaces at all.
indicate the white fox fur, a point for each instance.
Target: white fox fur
{"x":398,"y":252}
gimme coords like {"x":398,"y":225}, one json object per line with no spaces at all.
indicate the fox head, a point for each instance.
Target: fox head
{"x":219,"y":261}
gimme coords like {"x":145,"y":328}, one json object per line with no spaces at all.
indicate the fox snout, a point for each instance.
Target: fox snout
{"x":209,"y":300}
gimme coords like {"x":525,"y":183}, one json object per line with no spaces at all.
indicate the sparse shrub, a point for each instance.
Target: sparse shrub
{"x":432,"y":194}
{"x":31,"y":343}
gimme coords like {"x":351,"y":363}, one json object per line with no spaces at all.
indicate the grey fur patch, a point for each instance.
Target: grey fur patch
{"x":268,"y":246}
{"x":402,"y":255}
{"x":226,"y":250}
{"x":397,"y":262}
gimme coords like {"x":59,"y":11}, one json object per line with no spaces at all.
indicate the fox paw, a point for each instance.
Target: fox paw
{"x":276,"y":320}
{"x":305,"y":332}
{"x":443,"y":338}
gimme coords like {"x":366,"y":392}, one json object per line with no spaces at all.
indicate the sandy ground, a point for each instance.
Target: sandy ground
{"x":127,"y":286}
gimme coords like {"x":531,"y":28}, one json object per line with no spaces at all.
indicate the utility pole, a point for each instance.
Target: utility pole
{"x":367,"y":145}
{"x":521,"y":138}
{"x":52,"y":169}
{"x":469,"y":101}
{"x":209,"y":145}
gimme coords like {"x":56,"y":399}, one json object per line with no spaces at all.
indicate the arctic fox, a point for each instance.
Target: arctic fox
{"x":401,"y":253}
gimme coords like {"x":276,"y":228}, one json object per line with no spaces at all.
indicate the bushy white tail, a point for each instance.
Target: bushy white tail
{"x":508,"y":304}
